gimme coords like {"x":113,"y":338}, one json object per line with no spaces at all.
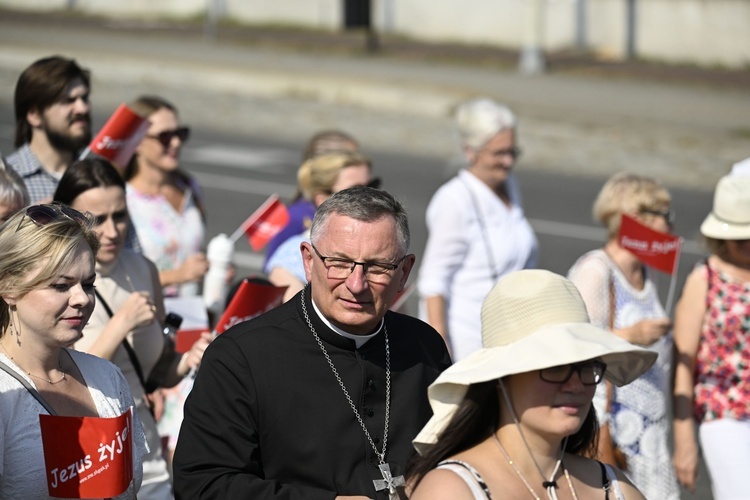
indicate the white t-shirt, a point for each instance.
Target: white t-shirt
{"x":22,"y":471}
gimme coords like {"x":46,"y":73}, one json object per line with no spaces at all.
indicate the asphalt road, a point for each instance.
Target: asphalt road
{"x":238,"y":172}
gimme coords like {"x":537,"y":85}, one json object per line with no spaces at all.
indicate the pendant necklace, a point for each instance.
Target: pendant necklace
{"x":49,"y":381}
{"x":547,"y":484}
{"x":388,"y":482}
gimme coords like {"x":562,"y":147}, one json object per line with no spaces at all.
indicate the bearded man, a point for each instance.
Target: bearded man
{"x":53,"y":123}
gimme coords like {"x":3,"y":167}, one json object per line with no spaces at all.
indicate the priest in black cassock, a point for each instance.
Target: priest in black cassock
{"x":321,"y":397}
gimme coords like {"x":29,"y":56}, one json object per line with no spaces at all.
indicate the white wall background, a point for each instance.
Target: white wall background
{"x":706,"y":32}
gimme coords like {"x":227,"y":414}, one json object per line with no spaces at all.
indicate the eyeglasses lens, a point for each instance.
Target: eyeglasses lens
{"x":590,"y":373}
{"x":41,"y":215}
{"x":165,"y":138}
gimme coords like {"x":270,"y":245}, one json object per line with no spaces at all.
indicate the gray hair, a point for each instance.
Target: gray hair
{"x":480,"y":119}
{"x":12,"y":188}
{"x":363,"y":204}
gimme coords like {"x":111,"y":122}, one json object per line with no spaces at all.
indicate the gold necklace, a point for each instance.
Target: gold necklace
{"x":523,"y":479}
{"x":49,"y":381}
{"x":512,"y":464}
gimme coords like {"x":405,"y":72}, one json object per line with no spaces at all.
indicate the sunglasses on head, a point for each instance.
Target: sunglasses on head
{"x":41,"y":215}
{"x":165,"y":137}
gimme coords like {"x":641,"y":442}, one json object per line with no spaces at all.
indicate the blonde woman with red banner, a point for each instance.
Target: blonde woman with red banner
{"x":621,"y":296}
{"x":46,"y":297}
{"x":712,"y":339}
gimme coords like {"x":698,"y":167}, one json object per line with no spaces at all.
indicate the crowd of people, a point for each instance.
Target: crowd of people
{"x":516,"y":382}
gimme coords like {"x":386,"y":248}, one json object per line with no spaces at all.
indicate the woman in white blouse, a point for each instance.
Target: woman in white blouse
{"x":477,"y":229}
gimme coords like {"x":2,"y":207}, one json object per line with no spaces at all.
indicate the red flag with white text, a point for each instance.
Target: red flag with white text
{"x":264,"y":223}
{"x":654,"y":248}
{"x":87,"y":457}
{"x":250,"y":300}
{"x":119,"y":137}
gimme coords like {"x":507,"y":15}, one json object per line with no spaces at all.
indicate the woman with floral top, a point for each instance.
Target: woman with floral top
{"x":712,"y":339}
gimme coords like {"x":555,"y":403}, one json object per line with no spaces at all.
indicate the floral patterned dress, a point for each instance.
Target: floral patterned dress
{"x":168,"y":236}
{"x":722,"y":368}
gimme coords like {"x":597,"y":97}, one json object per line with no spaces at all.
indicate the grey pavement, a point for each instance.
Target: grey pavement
{"x":686,"y":135}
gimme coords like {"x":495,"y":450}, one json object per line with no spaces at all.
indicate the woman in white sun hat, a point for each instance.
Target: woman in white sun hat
{"x":515,"y":419}
{"x":712,"y":338}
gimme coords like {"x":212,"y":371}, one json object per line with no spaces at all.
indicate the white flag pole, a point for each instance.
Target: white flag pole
{"x":254,"y":217}
{"x":673,"y":281}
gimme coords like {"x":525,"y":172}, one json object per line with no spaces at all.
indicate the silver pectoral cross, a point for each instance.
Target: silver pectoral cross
{"x":388,"y":481}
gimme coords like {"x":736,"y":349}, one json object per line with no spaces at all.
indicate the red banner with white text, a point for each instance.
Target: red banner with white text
{"x":655,"y":249}
{"x":87,"y":457}
{"x":264,"y":223}
{"x":120,"y":136}
{"x":251,"y":300}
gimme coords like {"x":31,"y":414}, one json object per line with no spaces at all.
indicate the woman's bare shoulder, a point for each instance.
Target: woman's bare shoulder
{"x":589,"y":472}
{"x":442,"y":484}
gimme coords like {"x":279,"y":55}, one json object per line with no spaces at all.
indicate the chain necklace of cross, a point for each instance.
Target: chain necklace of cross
{"x":388,"y":482}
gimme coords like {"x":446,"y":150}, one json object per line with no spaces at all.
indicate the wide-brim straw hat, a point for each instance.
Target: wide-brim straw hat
{"x":730,"y":217}
{"x":531,"y":319}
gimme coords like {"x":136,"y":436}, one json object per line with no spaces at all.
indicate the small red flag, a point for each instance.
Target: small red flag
{"x":119,"y":137}
{"x":251,"y":300}
{"x":265,"y":223}
{"x":656,"y":249}
{"x":87,"y":457}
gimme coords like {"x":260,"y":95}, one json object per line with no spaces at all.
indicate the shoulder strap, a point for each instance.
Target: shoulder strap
{"x":612,"y":302}
{"x":483,"y":230}
{"x":125,"y":344}
{"x":28,"y":387}
{"x":610,"y":482}
{"x":709,"y":280}
{"x":470,"y":476}
{"x":605,"y":480}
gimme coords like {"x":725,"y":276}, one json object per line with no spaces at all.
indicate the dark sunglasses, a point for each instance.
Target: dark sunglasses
{"x":165,"y":137}
{"x":41,"y":215}
{"x":668,"y":215}
{"x":589,"y":372}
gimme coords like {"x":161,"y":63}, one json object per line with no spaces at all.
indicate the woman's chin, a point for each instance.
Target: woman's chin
{"x":107,"y":256}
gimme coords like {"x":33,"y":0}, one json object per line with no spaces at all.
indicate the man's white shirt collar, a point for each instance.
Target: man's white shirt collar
{"x":359,"y":339}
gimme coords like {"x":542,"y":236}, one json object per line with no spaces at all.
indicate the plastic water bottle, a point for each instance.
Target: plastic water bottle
{"x":219,"y":254}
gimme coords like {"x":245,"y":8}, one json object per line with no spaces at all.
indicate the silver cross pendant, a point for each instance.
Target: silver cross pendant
{"x":388,"y":482}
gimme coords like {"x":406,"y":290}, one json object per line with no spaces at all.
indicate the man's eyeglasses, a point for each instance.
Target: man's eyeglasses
{"x":374,"y":272}
{"x":590,"y":372}
{"x":41,"y":215}
{"x":165,"y":137}
{"x":668,"y":215}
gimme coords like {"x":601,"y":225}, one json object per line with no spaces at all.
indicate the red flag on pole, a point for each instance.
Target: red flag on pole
{"x":87,"y":457}
{"x":119,"y":137}
{"x":656,"y":249}
{"x":251,"y":299}
{"x":264,"y":223}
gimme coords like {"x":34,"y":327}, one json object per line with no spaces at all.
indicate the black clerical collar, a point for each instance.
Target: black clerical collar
{"x":360,"y":340}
